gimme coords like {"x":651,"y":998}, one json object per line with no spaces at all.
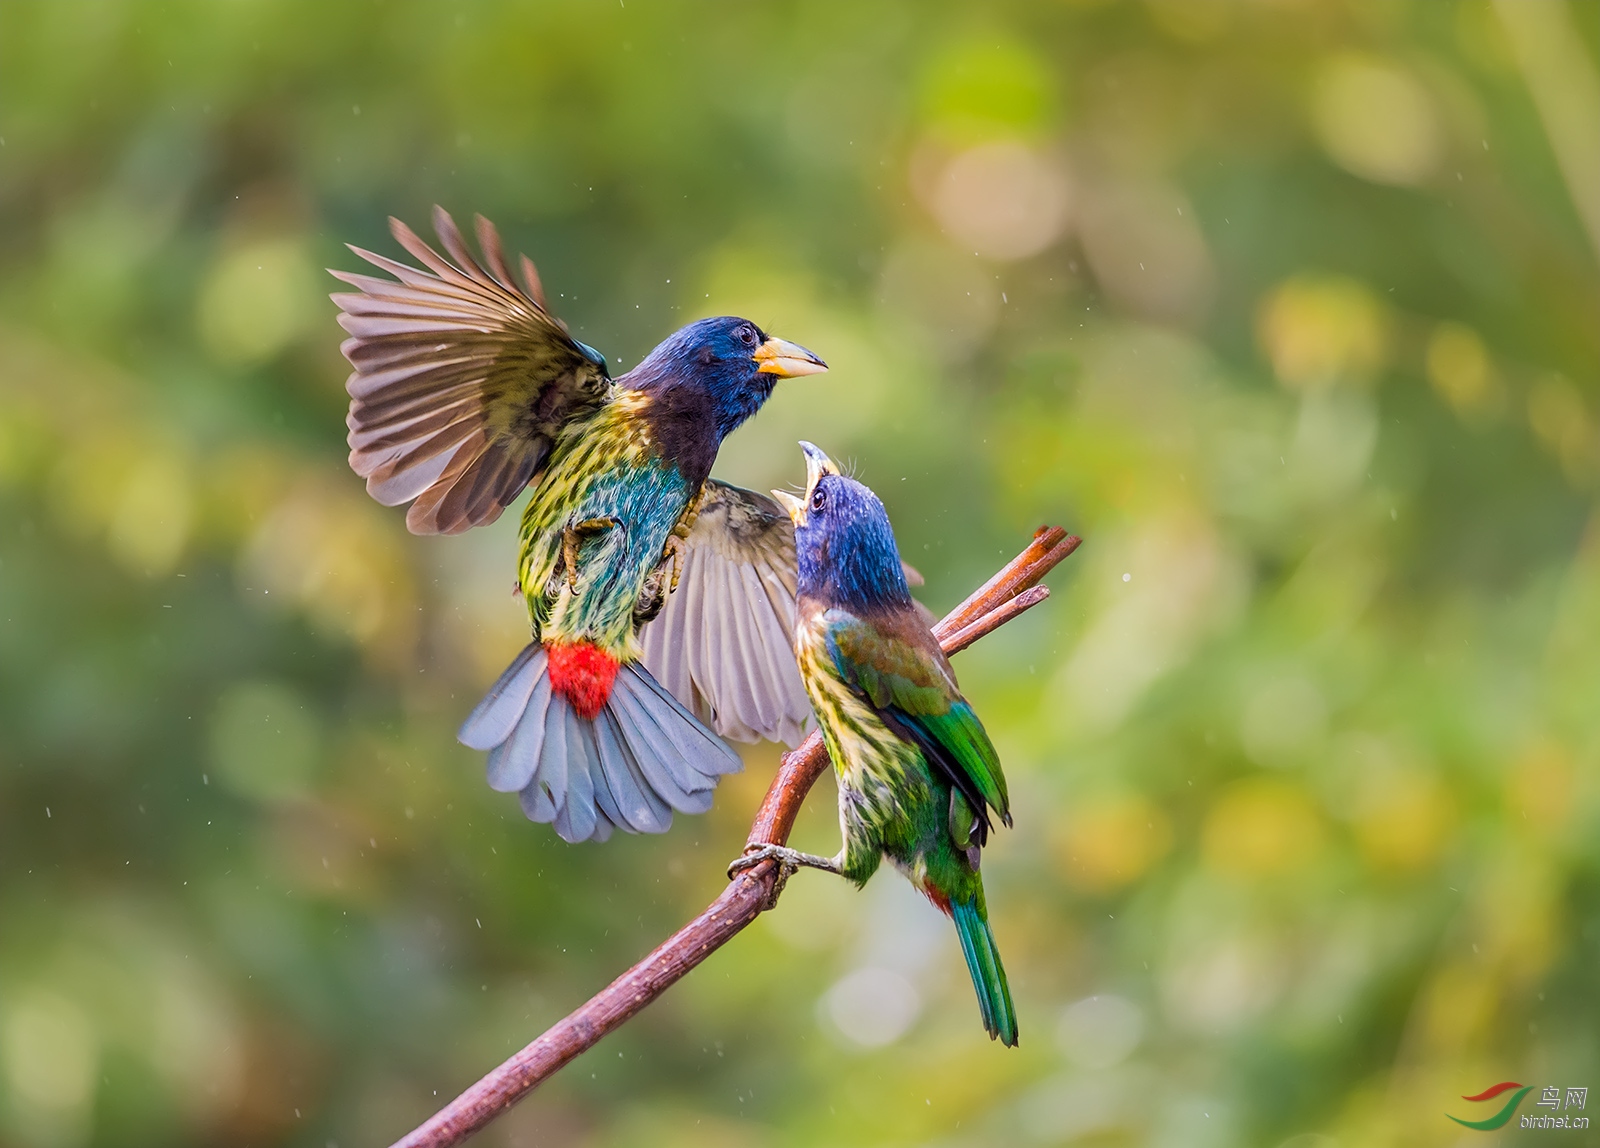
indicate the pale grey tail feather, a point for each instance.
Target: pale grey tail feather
{"x":643,"y":757}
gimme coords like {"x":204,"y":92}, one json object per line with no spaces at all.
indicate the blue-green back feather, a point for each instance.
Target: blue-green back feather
{"x":897,"y":665}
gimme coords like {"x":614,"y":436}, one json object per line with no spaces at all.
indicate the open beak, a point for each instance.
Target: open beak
{"x":787,"y":360}
{"x":817,"y":465}
{"x":795,"y":508}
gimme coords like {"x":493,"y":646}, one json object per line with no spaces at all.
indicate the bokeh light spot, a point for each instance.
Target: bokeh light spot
{"x":1561,"y":420}
{"x":1282,"y":718}
{"x":153,"y":510}
{"x":1259,"y":827}
{"x":51,"y":1056}
{"x":1112,"y":840}
{"x":1460,"y":369}
{"x":329,"y":553}
{"x":1100,"y":1031}
{"x":1144,"y":242}
{"x":1319,"y":330}
{"x":256,"y":300}
{"x":1376,"y":120}
{"x":1001,"y":200}
{"x":872,"y":1007}
{"x":1403,"y":819}
{"x":1223,"y":982}
{"x":1541,"y":786}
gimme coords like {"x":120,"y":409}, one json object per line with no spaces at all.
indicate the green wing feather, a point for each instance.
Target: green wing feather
{"x":897,"y":665}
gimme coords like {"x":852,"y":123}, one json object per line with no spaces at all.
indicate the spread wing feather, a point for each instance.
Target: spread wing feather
{"x":723,"y":644}
{"x":462,"y":379}
{"x":629,"y":768}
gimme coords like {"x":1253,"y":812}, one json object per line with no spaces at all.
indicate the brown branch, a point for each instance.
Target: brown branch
{"x":994,"y":619}
{"x":1000,"y":599}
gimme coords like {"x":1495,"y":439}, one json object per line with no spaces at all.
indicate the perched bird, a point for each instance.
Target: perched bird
{"x":465,"y":389}
{"x":918,"y":776}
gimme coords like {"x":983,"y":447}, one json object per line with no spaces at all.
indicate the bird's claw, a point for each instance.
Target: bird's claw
{"x":789,"y":862}
{"x":569,"y":556}
{"x":690,"y":513}
{"x":572,"y":541}
{"x":754,"y":855}
{"x":673,"y":550}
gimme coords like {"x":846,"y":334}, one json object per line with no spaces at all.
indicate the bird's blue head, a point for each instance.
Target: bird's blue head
{"x":843,"y":541}
{"x":728,"y":360}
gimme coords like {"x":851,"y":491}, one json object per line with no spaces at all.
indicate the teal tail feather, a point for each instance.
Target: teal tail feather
{"x":988,"y":975}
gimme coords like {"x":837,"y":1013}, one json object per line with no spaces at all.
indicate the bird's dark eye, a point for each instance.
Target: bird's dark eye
{"x":746,"y":335}
{"x":819,"y":499}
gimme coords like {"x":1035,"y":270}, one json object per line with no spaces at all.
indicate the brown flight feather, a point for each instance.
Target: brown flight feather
{"x":454,"y":359}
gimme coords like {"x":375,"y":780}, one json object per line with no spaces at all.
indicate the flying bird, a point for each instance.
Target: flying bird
{"x":919,"y":781}
{"x":465,"y":389}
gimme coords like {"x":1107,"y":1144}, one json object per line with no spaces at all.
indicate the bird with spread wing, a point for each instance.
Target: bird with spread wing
{"x":919,"y":781}
{"x":661,"y":601}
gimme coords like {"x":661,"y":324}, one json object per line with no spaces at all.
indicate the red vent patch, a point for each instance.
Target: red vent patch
{"x":583,"y":674}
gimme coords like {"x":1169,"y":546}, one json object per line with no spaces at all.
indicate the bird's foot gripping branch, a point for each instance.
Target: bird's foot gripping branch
{"x":1003,"y":597}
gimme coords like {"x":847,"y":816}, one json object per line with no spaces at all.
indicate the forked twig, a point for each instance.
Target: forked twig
{"x":1002,"y":598}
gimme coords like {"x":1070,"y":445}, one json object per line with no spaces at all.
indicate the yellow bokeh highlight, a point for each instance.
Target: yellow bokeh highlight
{"x":1560,"y":418}
{"x":1259,"y":827}
{"x":1112,"y":840}
{"x":49,"y":1049}
{"x":326,"y":551}
{"x":1460,"y":369}
{"x":1191,"y":21}
{"x":242,"y":486}
{"x":25,"y":436}
{"x":1540,"y":787}
{"x":257,"y":299}
{"x":1376,"y":120}
{"x":1319,"y":330}
{"x":133,"y":489}
{"x":49,"y":1064}
{"x":1457,"y":1007}
{"x":1517,"y":911}
{"x":152,"y":512}
{"x":1404,"y":819}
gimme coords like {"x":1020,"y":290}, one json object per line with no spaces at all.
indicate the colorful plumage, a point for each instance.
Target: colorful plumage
{"x":918,"y":776}
{"x":466,"y":389}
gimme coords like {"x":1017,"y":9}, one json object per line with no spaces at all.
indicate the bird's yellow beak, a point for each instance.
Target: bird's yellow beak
{"x":787,"y":360}
{"x":796,"y":508}
{"x":817,"y":465}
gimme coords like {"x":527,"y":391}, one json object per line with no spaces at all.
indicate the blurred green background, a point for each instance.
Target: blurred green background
{"x":1290,"y":308}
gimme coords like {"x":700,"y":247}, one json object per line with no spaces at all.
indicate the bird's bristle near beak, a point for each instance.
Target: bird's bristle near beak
{"x":817,"y":465}
{"x":787,"y":360}
{"x":795,"y":508}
